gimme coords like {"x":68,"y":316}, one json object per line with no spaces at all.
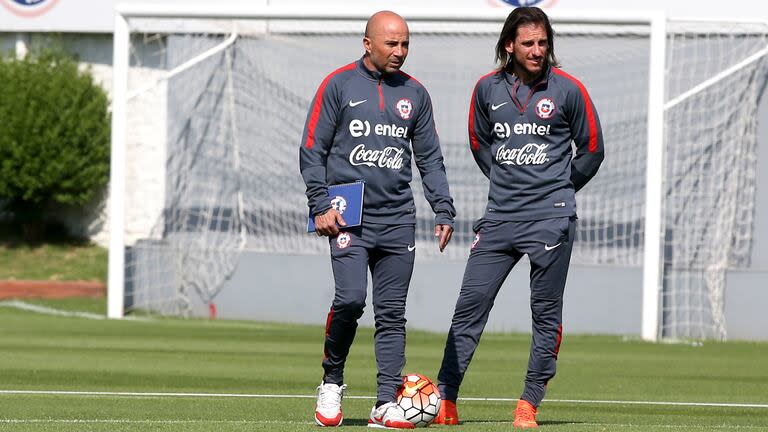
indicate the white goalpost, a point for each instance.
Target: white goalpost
{"x":209,"y":103}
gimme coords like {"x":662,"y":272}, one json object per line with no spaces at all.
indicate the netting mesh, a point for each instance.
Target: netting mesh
{"x":710,"y":171}
{"x":213,"y":169}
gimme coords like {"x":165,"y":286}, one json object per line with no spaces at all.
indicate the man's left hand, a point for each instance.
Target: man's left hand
{"x":444,"y":232}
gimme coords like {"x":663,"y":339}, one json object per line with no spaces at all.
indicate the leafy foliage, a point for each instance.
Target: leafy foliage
{"x":54,"y":134}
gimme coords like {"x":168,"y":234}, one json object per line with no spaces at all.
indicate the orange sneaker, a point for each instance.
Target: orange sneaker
{"x":525,"y":415}
{"x":448,"y":415}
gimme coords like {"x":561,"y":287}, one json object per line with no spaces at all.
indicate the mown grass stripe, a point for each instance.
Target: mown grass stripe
{"x":299,"y":396}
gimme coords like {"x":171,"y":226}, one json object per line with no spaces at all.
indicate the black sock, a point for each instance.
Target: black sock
{"x":381,"y":402}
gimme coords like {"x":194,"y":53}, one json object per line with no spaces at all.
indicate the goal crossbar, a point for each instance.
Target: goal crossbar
{"x":125,"y":11}
{"x":655,"y":21}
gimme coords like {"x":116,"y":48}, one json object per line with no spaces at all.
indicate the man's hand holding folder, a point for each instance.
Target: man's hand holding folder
{"x":325,"y":224}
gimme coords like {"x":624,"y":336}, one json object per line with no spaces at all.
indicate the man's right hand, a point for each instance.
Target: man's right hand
{"x":325,"y":224}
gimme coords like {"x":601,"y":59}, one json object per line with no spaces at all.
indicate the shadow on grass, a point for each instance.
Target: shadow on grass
{"x":559,"y":422}
{"x":364,"y":422}
{"x":501,"y":422}
{"x":355,"y":422}
{"x":14,"y":234}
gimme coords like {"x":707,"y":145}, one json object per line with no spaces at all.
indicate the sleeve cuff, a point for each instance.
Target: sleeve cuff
{"x":578,"y":179}
{"x":316,"y":211}
{"x":443,"y":219}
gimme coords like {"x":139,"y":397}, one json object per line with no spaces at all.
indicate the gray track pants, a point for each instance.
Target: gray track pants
{"x":388,"y":251}
{"x":498,"y":247}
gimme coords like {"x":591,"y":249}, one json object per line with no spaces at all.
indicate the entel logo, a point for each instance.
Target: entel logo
{"x":28,"y":8}
{"x":358,"y":128}
{"x":503,"y":130}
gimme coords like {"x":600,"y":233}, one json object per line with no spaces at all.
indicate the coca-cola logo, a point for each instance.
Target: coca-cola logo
{"x":389,"y":157}
{"x":529,"y":154}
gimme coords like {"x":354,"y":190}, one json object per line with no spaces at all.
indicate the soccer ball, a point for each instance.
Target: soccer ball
{"x":419,"y":398}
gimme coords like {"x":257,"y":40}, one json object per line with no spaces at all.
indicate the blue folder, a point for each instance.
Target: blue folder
{"x":347,"y":199}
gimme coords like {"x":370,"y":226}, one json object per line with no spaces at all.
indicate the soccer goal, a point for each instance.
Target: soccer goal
{"x":210,"y":101}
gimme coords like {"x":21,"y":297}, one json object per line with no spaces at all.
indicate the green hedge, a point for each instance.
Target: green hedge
{"x":54,"y":134}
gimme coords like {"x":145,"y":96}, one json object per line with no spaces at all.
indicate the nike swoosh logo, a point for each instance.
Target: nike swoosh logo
{"x":354,"y":104}
{"x":494,"y":107}
{"x":548,"y":247}
{"x":411,"y":248}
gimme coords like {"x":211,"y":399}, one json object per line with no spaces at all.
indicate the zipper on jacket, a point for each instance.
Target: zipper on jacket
{"x":381,"y":97}
{"x":516,"y":101}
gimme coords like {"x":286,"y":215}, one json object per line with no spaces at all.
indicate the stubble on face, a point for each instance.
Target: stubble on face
{"x":386,"y":42}
{"x":529,"y":50}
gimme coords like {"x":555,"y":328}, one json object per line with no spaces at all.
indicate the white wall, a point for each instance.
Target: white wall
{"x":97,"y":16}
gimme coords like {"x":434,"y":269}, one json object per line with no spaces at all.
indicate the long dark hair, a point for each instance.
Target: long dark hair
{"x":518,"y":17}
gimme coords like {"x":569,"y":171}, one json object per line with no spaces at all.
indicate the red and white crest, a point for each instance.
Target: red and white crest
{"x":545,"y":108}
{"x":343,"y":240}
{"x":404,"y":108}
{"x":28,"y":8}
{"x":339,"y":204}
{"x":476,"y":241}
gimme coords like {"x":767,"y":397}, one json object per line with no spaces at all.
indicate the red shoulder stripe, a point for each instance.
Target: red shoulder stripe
{"x":318,"y":105}
{"x":471,"y":124}
{"x":409,"y":77}
{"x":587,"y":106}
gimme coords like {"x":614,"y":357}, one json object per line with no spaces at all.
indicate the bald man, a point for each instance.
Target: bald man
{"x":366,"y":120}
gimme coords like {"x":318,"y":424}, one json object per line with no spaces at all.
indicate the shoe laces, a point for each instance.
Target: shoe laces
{"x":329,"y":395}
{"x":525,"y":413}
{"x":391,"y":411}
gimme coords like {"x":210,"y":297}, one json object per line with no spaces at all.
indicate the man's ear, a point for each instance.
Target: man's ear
{"x":367,"y":44}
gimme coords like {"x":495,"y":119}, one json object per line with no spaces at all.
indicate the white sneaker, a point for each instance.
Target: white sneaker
{"x":389,"y":416}
{"x":328,"y":408}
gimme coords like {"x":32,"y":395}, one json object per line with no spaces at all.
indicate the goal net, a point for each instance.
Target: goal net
{"x":216,"y":108}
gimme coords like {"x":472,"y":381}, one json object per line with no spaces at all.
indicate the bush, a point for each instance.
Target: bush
{"x":54,"y":135}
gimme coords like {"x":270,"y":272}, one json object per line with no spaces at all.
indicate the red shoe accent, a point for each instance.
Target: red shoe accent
{"x":399,"y":424}
{"x":525,"y":415}
{"x":448,"y":415}
{"x":324,"y":421}
{"x":390,"y":424}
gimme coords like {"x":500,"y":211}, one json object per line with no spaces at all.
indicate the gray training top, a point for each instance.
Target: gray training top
{"x":364,"y":125}
{"x":521,"y":137}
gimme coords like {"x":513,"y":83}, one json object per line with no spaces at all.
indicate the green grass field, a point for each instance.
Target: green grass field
{"x":53,"y":261}
{"x":178,"y":372}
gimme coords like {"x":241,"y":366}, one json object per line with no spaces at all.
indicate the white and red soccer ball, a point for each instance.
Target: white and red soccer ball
{"x":420,"y":399}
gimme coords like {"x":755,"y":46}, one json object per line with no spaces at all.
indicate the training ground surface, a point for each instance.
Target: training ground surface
{"x":60,"y":373}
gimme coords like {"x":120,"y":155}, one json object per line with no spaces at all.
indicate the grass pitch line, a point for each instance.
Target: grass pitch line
{"x":294,"y":396}
{"x":692,"y":404}
{"x":291,"y":422}
{"x":129,"y":421}
{"x":17,"y":304}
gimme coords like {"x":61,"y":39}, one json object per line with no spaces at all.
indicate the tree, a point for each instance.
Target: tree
{"x":54,"y":135}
